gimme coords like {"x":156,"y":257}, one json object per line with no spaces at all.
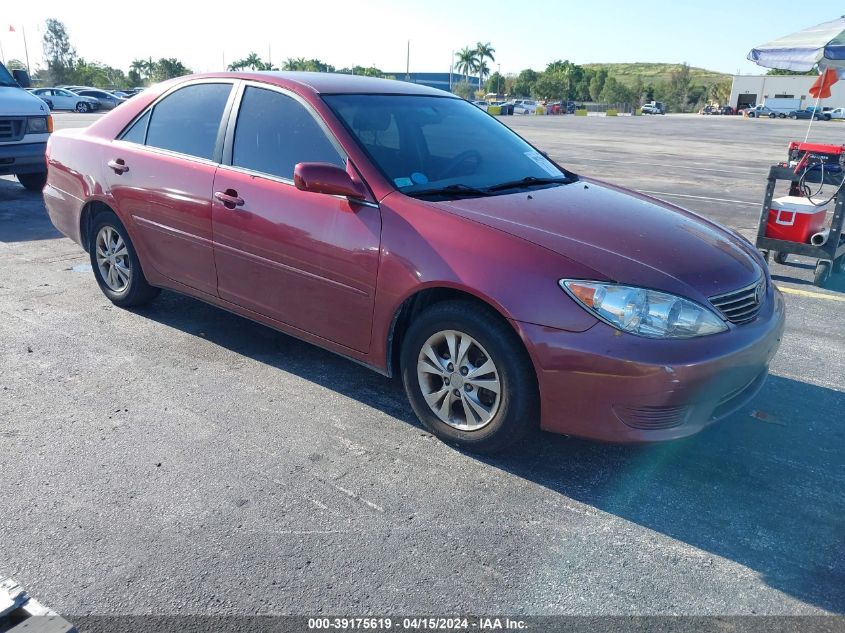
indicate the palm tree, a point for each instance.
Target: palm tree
{"x":467,"y":62}
{"x":483,"y":51}
{"x":483,"y":72}
{"x":295,"y":63}
{"x":139,"y":66}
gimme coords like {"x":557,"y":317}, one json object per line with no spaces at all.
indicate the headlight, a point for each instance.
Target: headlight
{"x":37,"y":125}
{"x":643,"y":312}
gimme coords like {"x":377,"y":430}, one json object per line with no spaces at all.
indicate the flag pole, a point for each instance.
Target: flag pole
{"x":26,"y":50}
{"x":2,"y":54}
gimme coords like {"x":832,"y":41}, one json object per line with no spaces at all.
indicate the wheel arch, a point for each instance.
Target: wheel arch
{"x":425,"y":297}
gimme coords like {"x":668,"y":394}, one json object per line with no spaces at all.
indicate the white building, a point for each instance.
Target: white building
{"x":755,"y":89}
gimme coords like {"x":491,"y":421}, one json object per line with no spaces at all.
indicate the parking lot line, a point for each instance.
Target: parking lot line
{"x":683,"y":195}
{"x":808,"y":293}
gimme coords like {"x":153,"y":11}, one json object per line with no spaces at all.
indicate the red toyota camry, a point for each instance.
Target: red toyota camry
{"x":406,"y":229}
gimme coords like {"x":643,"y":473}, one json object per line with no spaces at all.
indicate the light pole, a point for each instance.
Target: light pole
{"x":498,"y":79}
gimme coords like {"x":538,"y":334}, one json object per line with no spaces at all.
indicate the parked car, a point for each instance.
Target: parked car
{"x":44,"y":99}
{"x":807,"y":113}
{"x":524,"y":106}
{"x":837,"y":113}
{"x":726,"y":110}
{"x":63,"y":99}
{"x":480,"y":104}
{"x":25,"y":127}
{"x":761,"y":111}
{"x":823,"y":113}
{"x":708,"y":109}
{"x":389,"y":222}
{"x":654,"y":107}
{"x":106,"y":99}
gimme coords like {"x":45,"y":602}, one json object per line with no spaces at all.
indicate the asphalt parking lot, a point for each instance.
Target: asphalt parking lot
{"x":177,"y":459}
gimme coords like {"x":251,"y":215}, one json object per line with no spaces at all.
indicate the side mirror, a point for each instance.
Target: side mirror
{"x":328,"y":179}
{"x":22,"y":77}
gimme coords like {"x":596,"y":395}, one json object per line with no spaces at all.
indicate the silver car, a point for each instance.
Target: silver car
{"x":66,"y":100}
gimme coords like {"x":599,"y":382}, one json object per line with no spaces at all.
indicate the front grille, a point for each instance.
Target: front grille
{"x":652,"y":418}
{"x":12,"y":129}
{"x":741,"y":306}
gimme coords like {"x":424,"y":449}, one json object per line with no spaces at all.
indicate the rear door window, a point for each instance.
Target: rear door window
{"x":187,"y":121}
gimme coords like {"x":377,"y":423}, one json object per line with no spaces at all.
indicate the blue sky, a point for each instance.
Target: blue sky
{"x":526,"y":33}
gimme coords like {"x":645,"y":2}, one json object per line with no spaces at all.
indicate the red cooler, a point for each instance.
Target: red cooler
{"x":794,"y":219}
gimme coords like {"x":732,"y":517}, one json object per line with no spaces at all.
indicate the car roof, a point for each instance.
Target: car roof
{"x":335,"y":83}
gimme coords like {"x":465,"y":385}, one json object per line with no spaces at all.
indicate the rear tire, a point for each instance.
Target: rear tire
{"x":780,"y":258}
{"x":33,"y":182}
{"x":115,"y":263}
{"x":451,"y":354}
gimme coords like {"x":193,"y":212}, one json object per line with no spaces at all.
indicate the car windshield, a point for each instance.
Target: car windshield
{"x":6,"y":78}
{"x":442,"y":145}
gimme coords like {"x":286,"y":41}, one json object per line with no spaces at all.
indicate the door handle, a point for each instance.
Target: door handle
{"x":118,"y":166}
{"x":229,"y":198}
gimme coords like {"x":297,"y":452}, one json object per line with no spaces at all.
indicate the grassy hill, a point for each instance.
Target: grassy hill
{"x":654,"y":73}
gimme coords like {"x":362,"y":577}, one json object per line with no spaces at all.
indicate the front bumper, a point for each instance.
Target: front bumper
{"x":606,"y":385}
{"x":23,"y":158}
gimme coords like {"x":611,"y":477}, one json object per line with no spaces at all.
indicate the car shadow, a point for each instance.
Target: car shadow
{"x":22,"y":214}
{"x":764,"y":488}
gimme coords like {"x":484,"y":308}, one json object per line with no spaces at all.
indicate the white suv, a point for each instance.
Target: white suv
{"x":25,"y":126}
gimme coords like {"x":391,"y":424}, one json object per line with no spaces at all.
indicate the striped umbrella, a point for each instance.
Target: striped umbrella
{"x":822,"y":45}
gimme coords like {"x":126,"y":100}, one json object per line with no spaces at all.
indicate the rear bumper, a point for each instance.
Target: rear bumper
{"x":605,"y":385}
{"x":23,"y":158}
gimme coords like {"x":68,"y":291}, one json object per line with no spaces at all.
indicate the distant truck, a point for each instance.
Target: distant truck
{"x":782,"y":105}
{"x":654,"y":107}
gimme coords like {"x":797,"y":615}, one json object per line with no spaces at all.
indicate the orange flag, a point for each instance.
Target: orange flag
{"x":821,"y":87}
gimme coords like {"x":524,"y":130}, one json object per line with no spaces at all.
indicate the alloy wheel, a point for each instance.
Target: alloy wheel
{"x":459,"y":380}
{"x":113,"y":259}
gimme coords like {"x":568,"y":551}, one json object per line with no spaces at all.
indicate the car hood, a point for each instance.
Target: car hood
{"x":18,"y":102}
{"x":628,"y":237}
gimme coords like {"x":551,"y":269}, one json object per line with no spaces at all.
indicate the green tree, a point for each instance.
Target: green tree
{"x":251,"y":62}
{"x":679,"y":86}
{"x":614,"y":91}
{"x":495,"y":83}
{"x":59,"y":54}
{"x":464,"y":90}
{"x":524,"y":83}
{"x":467,"y":62}
{"x":780,"y":71}
{"x":168,"y":68}
{"x":483,"y":52}
{"x":597,"y":84}
{"x":15,"y":64}
{"x":550,"y":85}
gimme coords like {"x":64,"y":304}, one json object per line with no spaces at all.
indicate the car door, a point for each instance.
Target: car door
{"x":160,"y":172}
{"x":64,"y":99}
{"x":308,"y":260}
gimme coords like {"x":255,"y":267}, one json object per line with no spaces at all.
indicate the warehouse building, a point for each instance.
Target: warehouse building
{"x":748,"y":90}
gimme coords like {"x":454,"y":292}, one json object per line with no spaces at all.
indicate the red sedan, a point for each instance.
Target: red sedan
{"x":406,"y":229}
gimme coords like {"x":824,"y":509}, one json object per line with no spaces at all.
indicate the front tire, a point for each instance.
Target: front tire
{"x":115,"y":263}
{"x":33,"y":182}
{"x":468,"y":377}
{"x":82,"y":107}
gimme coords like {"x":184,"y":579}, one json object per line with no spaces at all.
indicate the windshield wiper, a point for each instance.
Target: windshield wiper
{"x":450,"y":190}
{"x":530,"y":180}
